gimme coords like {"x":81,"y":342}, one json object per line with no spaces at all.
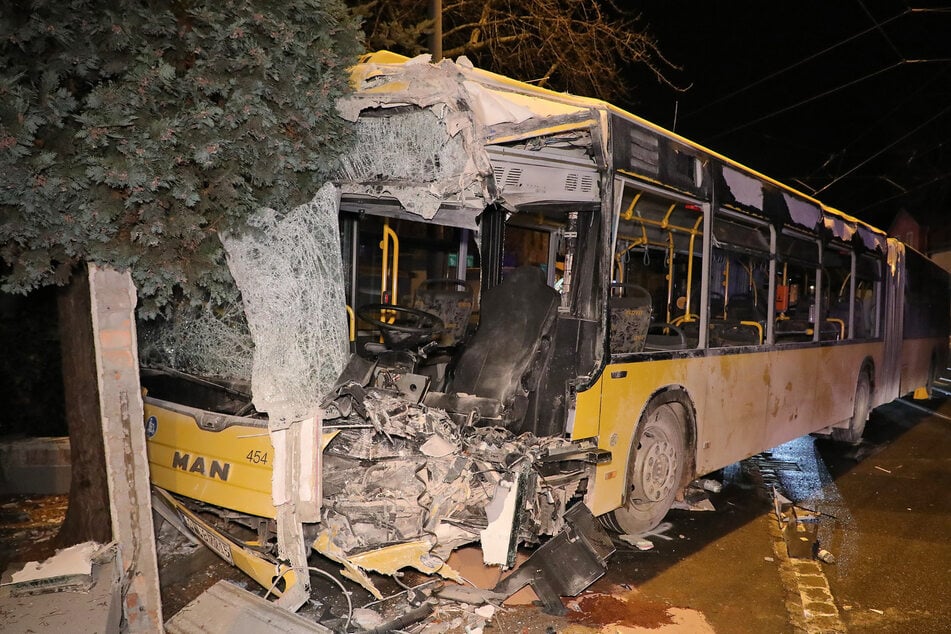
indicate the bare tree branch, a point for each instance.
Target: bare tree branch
{"x":581,"y":46}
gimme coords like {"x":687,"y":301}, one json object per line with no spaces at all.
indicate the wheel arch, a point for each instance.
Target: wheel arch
{"x":679,"y":396}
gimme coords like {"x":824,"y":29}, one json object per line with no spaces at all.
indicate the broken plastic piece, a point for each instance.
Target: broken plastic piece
{"x":825,"y":556}
{"x":710,"y":485}
{"x":566,"y":564}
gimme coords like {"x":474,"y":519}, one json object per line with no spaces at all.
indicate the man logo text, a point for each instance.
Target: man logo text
{"x":215,"y":469}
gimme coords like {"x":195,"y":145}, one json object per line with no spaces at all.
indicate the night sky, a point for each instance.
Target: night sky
{"x":848,"y":100}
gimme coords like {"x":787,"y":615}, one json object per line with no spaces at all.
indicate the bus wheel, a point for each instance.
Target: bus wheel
{"x":860,"y":411}
{"x":655,"y":471}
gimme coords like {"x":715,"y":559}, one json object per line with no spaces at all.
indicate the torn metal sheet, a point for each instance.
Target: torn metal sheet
{"x":387,"y":560}
{"x":257,"y":564}
{"x":423,"y":130}
{"x":565,"y":565}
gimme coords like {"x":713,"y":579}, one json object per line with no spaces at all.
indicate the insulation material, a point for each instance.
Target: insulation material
{"x":290,"y":273}
{"x":801,"y":212}
{"x":839,"y":227}
{"x":746,"y":190}
{"x":493,"y":108}
{"x":497,"y":106}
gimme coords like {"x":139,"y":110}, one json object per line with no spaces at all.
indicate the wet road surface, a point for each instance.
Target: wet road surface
{"x":885,"y":516}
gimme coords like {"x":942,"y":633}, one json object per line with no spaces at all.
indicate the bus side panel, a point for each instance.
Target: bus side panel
{"x":791,"y":410}
{"x":732,"y":424}
{"x":837,"y":376}
{"x":625,"y":389}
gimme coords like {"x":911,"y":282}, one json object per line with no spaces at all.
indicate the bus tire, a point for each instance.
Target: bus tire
{"x":860,"y":411}
{"x":655,"y":471}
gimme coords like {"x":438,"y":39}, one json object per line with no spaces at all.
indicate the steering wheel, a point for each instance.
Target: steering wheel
{"x":409,"y":328}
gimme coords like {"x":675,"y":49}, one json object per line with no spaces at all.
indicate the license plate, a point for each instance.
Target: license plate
{"x":211,"y":540}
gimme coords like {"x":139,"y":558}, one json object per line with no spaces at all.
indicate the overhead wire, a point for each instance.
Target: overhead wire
{"x":806,"y":100}
{"x":879,"y":28}
{"x":876,"y":26}
{"x":881,"y":151}
{"x":919,"y":186}
{"x":910,"y":95}
{"x":802,"y":61}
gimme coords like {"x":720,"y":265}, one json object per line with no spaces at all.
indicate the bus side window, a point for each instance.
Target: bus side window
{"x":797,"y":260}
{"x":657,"y":265}
{"x":836,"y":296}
{"x":868,"y":275}
{"x":739,"y":289}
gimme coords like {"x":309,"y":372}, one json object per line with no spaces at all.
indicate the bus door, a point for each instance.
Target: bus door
{"x":890,"y":384}
{"x":561,"y":248}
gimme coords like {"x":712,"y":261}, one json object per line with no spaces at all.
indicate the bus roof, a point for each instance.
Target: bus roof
{"x":544,"y":103}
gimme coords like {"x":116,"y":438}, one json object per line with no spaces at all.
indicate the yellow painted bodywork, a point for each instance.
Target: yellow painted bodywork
{"x":744,"y":403}
{"x":387,"y":560}
{"x":587,"y":415}
{"x":178,"y":442}
{"x":255,"y":565}
{"x":371,"y":66}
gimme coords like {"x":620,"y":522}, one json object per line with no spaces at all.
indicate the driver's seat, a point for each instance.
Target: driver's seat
{"x":498,"y":367}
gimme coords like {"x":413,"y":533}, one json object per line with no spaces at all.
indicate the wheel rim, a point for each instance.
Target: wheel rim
{"x":657,"y":466}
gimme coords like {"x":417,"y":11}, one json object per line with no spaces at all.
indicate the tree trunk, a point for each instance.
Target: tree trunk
{"x":88,"y":516}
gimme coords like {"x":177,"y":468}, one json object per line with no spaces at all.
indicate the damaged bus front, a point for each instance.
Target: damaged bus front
{"x":471,"y":226}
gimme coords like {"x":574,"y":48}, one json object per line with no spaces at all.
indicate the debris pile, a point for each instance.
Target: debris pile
{"x":426,"y":479}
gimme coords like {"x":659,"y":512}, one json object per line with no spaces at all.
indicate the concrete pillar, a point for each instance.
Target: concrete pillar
{"x":113,"y":302}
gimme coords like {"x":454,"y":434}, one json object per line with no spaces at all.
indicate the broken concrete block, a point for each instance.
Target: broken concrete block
{"x":227,"y":609}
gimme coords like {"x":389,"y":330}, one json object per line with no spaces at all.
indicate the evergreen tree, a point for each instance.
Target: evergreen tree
{"x":132,"y":132}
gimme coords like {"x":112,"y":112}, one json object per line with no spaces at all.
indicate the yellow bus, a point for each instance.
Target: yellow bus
{"x":585,"y":306}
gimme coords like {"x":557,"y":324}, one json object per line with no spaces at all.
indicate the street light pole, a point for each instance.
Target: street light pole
{"x":435,"y":38}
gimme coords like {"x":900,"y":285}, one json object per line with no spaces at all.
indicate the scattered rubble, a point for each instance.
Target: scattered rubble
{"x":76,"y":589}
{"x":431,"y":480}
{"x":800,"y":529}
